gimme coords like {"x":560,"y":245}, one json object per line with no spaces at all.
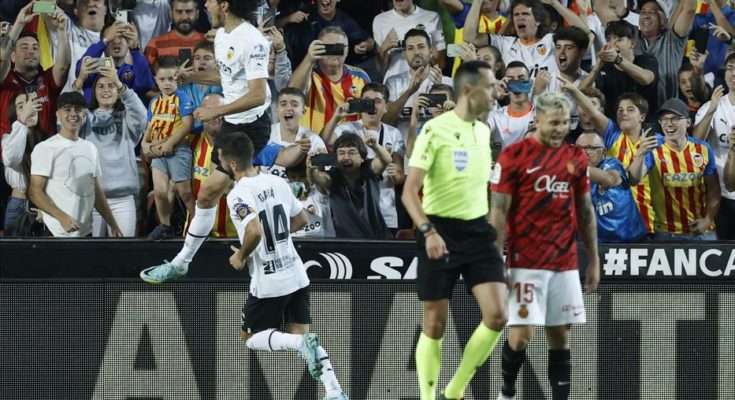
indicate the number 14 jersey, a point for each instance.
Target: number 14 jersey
{"x":275,"y":267}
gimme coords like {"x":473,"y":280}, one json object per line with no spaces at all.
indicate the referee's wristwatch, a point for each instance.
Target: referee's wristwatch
{"x":425,"y":228}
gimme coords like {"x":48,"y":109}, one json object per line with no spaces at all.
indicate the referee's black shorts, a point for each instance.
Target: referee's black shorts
{"x":472,"y":253}
{"x":259,"y":132}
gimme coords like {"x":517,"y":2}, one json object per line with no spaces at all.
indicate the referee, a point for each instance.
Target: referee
{"x":452,"y":160}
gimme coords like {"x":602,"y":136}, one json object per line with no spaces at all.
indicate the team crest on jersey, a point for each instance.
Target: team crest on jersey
{"x":698,"y":160}
{"x":523,"y":312}
{"x":128,"y":75}
{"x":354,"y":90}
{"x":243,"y":210}
{"x":311,"y":209}
{"x":541,"y":49}
{"x":460,"y":159}
{"x":230,"y":53}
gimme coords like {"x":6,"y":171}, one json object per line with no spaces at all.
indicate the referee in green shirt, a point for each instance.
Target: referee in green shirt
{"x":452,"y":160}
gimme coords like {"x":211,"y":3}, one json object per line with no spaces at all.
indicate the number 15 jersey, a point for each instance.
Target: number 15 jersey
{"x":275,"y":267}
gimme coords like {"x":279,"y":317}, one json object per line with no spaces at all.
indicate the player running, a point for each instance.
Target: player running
{"x":541,"y":185}
{"x":265,"y":213}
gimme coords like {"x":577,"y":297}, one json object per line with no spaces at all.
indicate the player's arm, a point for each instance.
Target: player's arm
{"x":250,"y":240}
{"x":255,"y":97}
{"x":299,"y":221}
{"x":587,"y":225}
{"x":499,"y":206}
{"x":729,"y":170}
{"x":101,"y":205}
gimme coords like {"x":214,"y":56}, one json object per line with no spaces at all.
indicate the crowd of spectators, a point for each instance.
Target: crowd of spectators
{"x":100,"y":136}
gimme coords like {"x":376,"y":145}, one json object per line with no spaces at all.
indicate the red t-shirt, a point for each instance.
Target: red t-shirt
{"x":45,"y":88}
{"x":542,"y":221}
{"x":169,"y":44}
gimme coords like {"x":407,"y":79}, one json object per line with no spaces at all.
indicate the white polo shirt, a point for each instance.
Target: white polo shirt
{"x":384,"y":22}
{"x":242,"y":55}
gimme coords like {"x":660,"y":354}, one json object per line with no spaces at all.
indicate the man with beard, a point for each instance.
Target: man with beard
{"x":405,"y":86}
{"x":20,"y":70}
{"x":183,"y":36}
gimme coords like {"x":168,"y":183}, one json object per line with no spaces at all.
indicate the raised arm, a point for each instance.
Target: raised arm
{"x":684,"y":19}
{"x":604,"y":12}
{"x":471,"y":25}
{"x":327,"y":133}
{"x":8,"y":42}
{"x":321,"y":179}
{"x":599,"y":120}
{"x":639,"y":168}
{"x":382,"y":156}
{"x":568,"y":15}
{"x":62,"y":58}
{"x":395,"y":107}
{"x":301,"y":77}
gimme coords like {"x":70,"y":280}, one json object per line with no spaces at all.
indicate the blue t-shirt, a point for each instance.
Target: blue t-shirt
{"x":618,"y":219}
{"x":717,"y":49}
{"x":197,"y":94}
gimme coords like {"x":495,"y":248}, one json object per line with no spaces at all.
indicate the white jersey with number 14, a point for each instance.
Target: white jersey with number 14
{"x":275,"y":267}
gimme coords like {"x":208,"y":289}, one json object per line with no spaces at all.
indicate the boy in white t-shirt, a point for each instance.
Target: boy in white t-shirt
{"x":65,"y":171}
{"x":265,"y":213}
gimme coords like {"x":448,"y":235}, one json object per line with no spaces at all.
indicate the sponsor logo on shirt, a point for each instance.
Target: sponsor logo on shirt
{"x":682,"y":178}
{"x":545,"y":183}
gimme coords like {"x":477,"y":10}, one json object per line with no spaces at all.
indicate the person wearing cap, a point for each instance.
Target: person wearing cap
{"x":684,"y":180}
{"x":665,"y":40}
{"x":713,"y":123}
{"x":618,"y":219}
{"x":65,"y":172}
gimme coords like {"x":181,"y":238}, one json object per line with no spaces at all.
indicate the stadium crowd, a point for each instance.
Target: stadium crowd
{"x":107,"y":108}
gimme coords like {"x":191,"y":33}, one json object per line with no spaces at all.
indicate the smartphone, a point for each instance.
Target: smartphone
{"x":361,"y":106}
{"x":435,"y":99}
{"x":701,"y":35}
{"x":454,"y":50}
{"x":122,"y":16}
{"x":184,"y":54}
{"x":44,"y":7}
{"x":270,"y":18}
{"x":519,"y":86}
{"x":30,"y":89}
{"x":106,"y":62}
{"x":324,"y":160}
{"x":334,"y":49}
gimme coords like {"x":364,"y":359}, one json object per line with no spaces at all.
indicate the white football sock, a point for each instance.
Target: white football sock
{"x":273,"y":340}
{"x":199,"y":229}
{"x":328,"y":378}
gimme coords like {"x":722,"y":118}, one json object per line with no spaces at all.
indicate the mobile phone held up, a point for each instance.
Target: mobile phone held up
{"x":519,"y":86}
{"x":701,"y":35}
{"x":334,"y":49}
{"x":184,"y":55}
{"x":435,"y":99}
{"x":361,"y":106}
{"x":44,"y":7}
{"x":123,"y":16}
{"x":324,"y":160}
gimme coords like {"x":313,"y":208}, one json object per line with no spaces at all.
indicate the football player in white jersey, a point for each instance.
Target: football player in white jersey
{"x":241,"y":52}
{"x":265,"y":213}
{"x":510,"y":124}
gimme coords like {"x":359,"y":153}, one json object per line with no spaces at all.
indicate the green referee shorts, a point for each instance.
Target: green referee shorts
{"x":472,"y":254}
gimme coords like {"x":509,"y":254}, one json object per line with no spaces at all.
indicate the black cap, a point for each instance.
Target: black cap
{"x":70,"y":98}
{"x":675,"y":106}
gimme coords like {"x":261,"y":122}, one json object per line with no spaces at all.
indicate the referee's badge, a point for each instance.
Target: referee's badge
{"x":460,"y":159}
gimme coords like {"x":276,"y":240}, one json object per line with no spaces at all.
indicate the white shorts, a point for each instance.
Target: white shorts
{"x":545,"y":298}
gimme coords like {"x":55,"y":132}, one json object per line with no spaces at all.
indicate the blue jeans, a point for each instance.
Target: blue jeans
{"x":673,"y":236}
{"x":15,"y":208}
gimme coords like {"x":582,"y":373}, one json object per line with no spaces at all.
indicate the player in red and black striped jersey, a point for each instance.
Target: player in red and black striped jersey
{"x":540,"y":187}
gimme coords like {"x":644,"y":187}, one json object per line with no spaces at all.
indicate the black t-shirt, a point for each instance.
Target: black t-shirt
{"x":614,"y":82}
{"x":356,"y":206}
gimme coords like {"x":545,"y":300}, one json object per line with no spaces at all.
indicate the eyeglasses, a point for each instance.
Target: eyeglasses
{"x":673,"y":120}
{"x":350,"y":153}
{"x":591,"y":148}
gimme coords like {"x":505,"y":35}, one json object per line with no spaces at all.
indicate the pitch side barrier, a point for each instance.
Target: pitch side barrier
{"x":76,"y":323}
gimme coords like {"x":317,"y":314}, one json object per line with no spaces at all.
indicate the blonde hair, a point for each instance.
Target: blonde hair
{"x":551,"y":101}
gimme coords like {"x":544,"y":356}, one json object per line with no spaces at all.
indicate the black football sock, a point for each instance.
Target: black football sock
{"x":560,"y":369}
{"x":512,"y":361}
